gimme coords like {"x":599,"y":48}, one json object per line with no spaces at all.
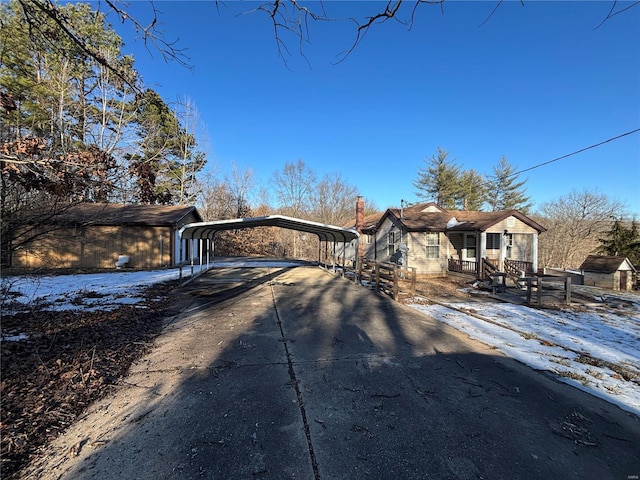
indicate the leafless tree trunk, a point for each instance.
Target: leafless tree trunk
{"x":575,"y":223}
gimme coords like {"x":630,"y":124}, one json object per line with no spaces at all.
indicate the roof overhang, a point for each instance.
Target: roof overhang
{"x":323,"y":231}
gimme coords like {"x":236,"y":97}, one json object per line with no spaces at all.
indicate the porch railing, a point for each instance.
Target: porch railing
{"x":463,"y":266}
{"x":487,"y":268}
{"x":516,"y":267}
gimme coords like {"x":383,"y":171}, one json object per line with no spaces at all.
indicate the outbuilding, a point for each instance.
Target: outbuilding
{"x":109,"y":235}
{"x":606,"y":271}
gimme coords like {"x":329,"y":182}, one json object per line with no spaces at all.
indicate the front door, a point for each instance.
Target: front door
{"x":470,"y":246}
{"x":623,"y":279}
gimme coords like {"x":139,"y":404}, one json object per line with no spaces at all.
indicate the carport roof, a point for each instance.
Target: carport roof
{"x":323,"y":231}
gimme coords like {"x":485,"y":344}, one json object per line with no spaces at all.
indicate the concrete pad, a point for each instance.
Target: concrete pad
{"x":296,"y":373}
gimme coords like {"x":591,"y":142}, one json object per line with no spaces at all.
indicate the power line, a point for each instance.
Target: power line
{"x":574,"y":153}
{"x":489,"y":183}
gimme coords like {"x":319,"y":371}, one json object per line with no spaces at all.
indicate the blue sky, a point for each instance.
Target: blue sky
{"x":533,"y":83}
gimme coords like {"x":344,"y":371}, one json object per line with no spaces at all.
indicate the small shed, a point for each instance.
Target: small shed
{"x":606,"y":271}
{"x":97,"y":235}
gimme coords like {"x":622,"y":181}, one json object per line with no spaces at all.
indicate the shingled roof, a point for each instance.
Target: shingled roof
{"x":604,"y":264}
{"x":121,"y":214}
{"x":433,"y":218}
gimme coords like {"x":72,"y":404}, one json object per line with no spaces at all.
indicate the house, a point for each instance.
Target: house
{"x":97,"y":235}
{"x":607,"y":271}
{"x":437,"y":241}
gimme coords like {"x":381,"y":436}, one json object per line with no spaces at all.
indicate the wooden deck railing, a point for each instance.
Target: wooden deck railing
{"x":517,"y":267}
{"x":463,"y":266}
{"x":487,"y":268}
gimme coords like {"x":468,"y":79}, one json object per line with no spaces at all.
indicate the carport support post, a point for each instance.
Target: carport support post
{"x":180,"y":240}
{"x":208,"y":251}
{"x":333,"y":257}
{"x":191,"y":252}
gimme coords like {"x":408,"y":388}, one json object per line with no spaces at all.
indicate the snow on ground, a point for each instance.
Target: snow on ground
{"x":90,"y":291}
{"x":594,"y":349}
{"x":93,"y":291}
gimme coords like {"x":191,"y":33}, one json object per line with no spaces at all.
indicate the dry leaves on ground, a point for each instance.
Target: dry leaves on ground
{"x":69,"y":360}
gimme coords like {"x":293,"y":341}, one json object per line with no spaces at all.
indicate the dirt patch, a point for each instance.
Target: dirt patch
{"x":61,"y":362}
{"x":444,"y":288}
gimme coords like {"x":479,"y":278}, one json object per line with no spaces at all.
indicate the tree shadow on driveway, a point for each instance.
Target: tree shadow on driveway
{"x":305,"y":375}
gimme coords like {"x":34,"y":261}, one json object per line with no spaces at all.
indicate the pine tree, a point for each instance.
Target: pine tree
{"x":504,"y":192}
{"x":439,"y":180}
{"x":622,"y":241}
{"x":472,"y":194}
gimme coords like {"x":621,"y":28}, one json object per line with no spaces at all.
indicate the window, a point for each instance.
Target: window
{"x":432,"y":242}
{"x":470,"y":246}
{"x":391,"y":242}
{"x":509,"y":244}
{"x":493,"y":241}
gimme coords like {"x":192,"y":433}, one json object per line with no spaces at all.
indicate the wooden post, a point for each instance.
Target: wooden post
{"x":539,"y":290}
{"x":529,"y":290}
{"x":395,"y":282}
{"x":567,"y":287}
{"x":377,"y":277}
{"x":413,"y":281}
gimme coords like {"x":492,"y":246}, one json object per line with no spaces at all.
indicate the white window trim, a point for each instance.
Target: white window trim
{"x":468,"y":245}
{"x":429,"y":246}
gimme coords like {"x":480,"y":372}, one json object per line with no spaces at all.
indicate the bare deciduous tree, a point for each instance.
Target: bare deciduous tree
{"x":575,"y":223}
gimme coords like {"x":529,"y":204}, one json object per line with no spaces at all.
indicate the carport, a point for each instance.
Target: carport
{"x":204,"y":233}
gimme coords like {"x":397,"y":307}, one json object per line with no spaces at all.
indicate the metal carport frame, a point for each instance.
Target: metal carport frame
{"x":207,"y":230}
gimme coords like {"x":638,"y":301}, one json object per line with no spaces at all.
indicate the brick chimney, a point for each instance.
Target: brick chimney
{"x":360,"y":223}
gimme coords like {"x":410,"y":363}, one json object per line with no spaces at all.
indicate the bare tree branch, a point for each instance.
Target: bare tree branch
{"x":612,"y":13}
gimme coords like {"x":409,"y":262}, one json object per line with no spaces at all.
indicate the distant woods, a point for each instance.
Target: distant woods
{"x":295,"y":190}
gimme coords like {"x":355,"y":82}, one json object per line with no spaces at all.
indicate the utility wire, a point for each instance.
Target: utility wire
{"x":595,"y":145}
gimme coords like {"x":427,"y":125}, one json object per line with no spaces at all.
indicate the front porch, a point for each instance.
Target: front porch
{"x":484,"y":268}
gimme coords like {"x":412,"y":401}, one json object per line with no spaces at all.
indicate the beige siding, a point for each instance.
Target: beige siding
{"x":99,"y":247}
{"x":609,"y":281}
{"x":603,"y":280}
{"x":417,"y":254}
{"x":512,"y":225}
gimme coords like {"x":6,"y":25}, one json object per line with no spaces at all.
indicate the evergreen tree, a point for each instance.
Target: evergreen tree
{"x":473,"y":191}
{"x":166,"y":161}
{"x":504,"y":192}
{"x":439,"y":180}
{"x":622,"y":241}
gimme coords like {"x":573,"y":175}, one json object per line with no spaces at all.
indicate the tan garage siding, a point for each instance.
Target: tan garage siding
{"x":99,"y":247}
{"x":95,"y":235}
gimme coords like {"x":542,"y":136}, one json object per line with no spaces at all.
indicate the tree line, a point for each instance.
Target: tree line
{"x":79,"y":125}
{"x":578,"y":223}
{"x":443,"y":181}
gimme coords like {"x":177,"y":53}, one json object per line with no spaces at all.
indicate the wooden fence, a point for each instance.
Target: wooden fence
{"x":537,"y":283}
{"x":386,"y":277}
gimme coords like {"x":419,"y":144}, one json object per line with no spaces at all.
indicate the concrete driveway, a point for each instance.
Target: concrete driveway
{"x":296,"y":373}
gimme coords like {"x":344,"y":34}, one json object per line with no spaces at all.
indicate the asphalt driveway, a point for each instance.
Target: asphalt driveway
{"x":296,"y":373}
